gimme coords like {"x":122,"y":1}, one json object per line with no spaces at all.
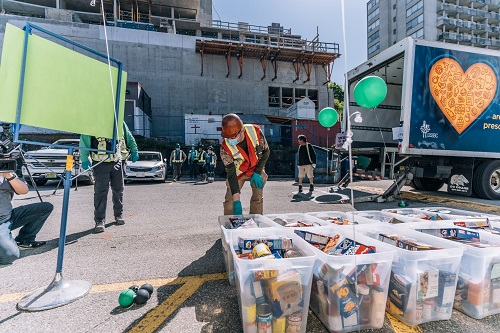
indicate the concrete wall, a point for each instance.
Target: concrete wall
{"x":168,"y":68}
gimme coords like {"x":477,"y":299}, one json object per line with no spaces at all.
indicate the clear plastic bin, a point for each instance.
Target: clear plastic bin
{"x":478,"y":288}
{"x":461,"y":212}
{"x":225,"y":225}
{"x":422,"y":283}
{"x":339,"y":218}
{"x":293,"y":218}
{"x":423,"y":215}
{"x":382,"y":216}
{"x":334,"y":299}
{"x":273,"y":294}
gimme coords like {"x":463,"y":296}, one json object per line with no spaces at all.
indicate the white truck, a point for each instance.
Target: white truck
{"x":440,"y":120}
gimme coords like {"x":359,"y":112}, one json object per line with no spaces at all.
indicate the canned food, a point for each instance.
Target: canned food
{"x":279,"y":325}
{"x":292,"y":254}
{"x":261,"y":250}
{"x":264,"y":318}
{"x":294,"y":323}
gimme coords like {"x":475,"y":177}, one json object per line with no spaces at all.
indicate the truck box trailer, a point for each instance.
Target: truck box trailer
{"x":440,"y":120}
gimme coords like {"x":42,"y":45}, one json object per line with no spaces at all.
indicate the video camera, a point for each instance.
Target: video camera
{"x":8,"y":156}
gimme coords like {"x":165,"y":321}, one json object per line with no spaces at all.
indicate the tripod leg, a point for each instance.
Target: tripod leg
{"x":31,"y":177}
{"x":58,"y":184}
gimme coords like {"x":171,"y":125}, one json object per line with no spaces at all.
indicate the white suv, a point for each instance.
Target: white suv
{"x":49,"y":163}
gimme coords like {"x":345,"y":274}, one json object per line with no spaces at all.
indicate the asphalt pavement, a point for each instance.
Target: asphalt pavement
{"x":171,"y":239}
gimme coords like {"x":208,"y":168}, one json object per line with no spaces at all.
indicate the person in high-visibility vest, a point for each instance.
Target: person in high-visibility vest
{"x":211,"y":163}
{"x":193,"y":162}
{"x":202,"y":158}
{"x":177,"y":157}
{"x":306,"y":162}
{"x":244,"y":152}
{"x":109,"y":172}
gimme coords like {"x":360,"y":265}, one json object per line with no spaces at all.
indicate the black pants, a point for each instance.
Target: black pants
{"x":193,"y":169}
{"x":202,"y":170}
{"x":177,"y":170}
{"x":30,"y":218}
{"x":106,"y":174}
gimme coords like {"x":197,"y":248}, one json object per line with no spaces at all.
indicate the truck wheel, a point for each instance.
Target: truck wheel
{"x":487,"y":180}
{"x":427,"y":184}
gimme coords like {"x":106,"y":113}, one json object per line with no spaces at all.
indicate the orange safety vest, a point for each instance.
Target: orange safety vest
{"x":245,"y":164}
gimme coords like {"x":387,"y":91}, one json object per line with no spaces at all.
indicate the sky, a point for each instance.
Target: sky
{"x":303,"y":17}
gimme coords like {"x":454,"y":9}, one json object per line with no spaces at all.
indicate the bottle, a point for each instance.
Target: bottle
{"x":249,"y":313}
{"x":365,"y":304}
{"x":378,"y":307}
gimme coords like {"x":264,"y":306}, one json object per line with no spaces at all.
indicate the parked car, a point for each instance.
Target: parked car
{"x":150,"y":166}
{"x":49,"y":164}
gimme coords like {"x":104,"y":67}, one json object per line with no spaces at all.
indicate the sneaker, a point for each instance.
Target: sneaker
{"x":119,"y":220}
{"x":99,"y":227}
{"x":311,"y":188}
{"x":300,"y":188}
{"x":174,"y":180}
{"x":30,"y":245}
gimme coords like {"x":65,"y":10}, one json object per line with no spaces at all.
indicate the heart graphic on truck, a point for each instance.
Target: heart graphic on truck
{"x":462,"y":96}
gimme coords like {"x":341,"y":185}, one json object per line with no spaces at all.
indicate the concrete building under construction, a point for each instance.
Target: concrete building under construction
{"x":187,"y":62}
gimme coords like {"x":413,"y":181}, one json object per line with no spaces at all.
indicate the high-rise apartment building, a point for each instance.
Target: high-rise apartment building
{"x":469,"y":22}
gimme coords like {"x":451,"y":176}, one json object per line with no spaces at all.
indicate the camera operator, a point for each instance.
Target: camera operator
{"x":30,"y":218}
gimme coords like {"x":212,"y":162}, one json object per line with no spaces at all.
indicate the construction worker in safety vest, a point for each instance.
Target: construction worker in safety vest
{"x":211,"y":163}
{"x":202,"y":158}
{"x":108,"y":170}
{"x":306,"y":162}
{"x":244,"y":152}
{"x":193,"y":162}
{"x":177,"y":157}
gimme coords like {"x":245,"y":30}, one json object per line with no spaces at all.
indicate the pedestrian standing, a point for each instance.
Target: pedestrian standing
{"x":177,"y":157}
{"x":193,"y":162}
{"x":108,"y":171}
{"x":211,"y":163}
{"x":202,"y":158}
{"x":306,"y":162}
{"x":244,"y":152}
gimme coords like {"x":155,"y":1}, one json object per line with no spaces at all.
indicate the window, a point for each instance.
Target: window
{"x":414,"y":8}
{"x":416,"y":21}
{"x":373,"y":14}
{"x":372,"y":4}
{"x":286,"y":97}
{"x":299,"y":94}
{"x":274,"y":97}
{"x":208,"y":34}
{"x":373,"y":25}
{"x":312,"y":94}
{"x":373,"y":37}
{"x":418,"y":34}
{"x":374,"y":48}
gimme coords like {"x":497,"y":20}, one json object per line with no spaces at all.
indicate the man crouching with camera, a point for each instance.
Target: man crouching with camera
{"x":30,"y":218}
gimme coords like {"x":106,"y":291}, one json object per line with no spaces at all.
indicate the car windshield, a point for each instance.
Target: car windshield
{"x":149,"y":157}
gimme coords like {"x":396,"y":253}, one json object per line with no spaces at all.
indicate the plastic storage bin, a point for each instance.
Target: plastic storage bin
{"x":273,"y":294}
{"x":382,"y":216}
{"x":225,"y":225}
{"x":422,"y":283}
{"x":461,"y":213}
{"x":423,"y":215}
{"x":341,"y":218}
{"x":294,"y":219}
{"x":334,"y":299}
{"x":478,"y":288}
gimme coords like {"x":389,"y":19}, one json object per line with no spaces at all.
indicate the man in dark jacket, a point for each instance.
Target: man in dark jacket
{"x":306,"y":161}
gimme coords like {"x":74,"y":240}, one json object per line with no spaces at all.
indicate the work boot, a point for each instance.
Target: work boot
{"x":311,"y":187}
{"x":119,"y":220}
{"x":99,"y":227}
{"x":300,"y":188}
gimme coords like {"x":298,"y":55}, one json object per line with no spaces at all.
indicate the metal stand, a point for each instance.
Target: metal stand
{"x":60,"y":291}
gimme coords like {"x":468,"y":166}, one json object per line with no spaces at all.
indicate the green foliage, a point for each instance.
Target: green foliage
{"x":338,"y":101}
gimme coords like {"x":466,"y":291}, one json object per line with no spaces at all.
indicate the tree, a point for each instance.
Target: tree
{"x":338,"y":97}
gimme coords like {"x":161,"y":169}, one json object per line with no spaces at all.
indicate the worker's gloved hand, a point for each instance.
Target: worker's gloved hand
{"x":237,"y":209}
{"x":170,"y":164}
{"x":257,"y":180}
{"x":134,"y":157}
{"x":314,"y":166}
{"x":86,"y":165}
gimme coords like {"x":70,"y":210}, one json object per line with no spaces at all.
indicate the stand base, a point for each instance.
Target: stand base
{"x":60,"y":292}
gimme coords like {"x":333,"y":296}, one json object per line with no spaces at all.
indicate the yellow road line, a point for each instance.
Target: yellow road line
{"x":153,"y":319}
{"x":400,"y":327}
{"x":457,"y":202}
{"x":111,"y":287}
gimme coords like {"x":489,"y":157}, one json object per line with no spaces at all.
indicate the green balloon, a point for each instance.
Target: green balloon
{"x":370,"y":92}
{"x":126,"y":298}
{"x":328,"y":117}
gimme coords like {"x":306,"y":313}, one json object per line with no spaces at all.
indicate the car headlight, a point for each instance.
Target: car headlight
{"x":127,"y":169}
{"x":155,"y":169}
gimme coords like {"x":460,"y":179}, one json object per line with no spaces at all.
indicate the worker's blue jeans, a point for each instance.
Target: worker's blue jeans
{"x":30,"y":218}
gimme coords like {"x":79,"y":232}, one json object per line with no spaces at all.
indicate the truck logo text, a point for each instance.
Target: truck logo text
{"x":425,"y":129}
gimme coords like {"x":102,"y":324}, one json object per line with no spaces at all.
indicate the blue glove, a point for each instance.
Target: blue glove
{"x":257,"y":180}
{"x":86,"y":165}
{"x":170,"y":164}
{"x":237,"y":209}
{"x":134,"y":157}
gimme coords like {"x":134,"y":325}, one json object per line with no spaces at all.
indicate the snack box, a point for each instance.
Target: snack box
{"x":382,"y":216}
{"x":341,"y":218}
{"x":478,"y":289}
{"x":274,"y":293}
{"x":424,"y":273}
{"x":295,"y":220}
{"x":228,"y":222}
{"x":334,"y":297}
